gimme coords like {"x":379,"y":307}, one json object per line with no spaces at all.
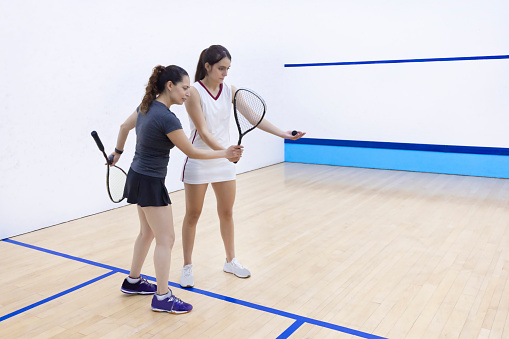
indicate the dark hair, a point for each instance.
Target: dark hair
{"x":212,"y":55}
{"x":157,"y":82}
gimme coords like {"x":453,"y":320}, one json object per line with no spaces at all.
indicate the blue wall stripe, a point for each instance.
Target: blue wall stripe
{"x":58,"y":295}
{"x":290,"y":330}
{"x":483,"y":165}
{"x":402,"y":146}
{"x":298,"y":318}
{"x":398,"y":61}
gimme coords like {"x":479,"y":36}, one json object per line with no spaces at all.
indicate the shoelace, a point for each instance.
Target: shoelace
{"x":143,"y":280}
{"x":236,"y":263}
{"x":175,"y":299}
{"x":188,"y":271}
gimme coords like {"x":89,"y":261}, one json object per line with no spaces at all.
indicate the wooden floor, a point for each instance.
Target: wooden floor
{"x":335,"y":252}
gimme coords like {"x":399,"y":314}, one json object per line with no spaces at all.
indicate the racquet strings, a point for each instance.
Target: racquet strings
{"x":250,"y":110}
{"x":116,"y":182}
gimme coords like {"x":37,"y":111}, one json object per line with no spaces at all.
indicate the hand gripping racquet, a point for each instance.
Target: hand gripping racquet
{"x":115,"y":176}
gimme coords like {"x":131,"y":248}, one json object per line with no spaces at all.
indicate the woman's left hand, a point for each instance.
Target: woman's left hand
{"x":289,"y":135}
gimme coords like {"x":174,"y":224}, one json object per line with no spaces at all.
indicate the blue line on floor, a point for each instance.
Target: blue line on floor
{"x":277,"y":312}
{"x":290,"y":330}
{"x":85,"y":261}
{"x":299,"y":319}
{"x":58,"y":295}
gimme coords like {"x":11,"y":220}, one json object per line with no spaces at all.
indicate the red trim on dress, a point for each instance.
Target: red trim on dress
{"x":218,"y":94}
{"x":184,"y":170}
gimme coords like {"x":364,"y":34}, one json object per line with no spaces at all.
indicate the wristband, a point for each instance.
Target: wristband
{"x":118,"y":151}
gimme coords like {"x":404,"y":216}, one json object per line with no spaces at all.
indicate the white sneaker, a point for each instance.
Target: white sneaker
{"x":236,"y":268}
{"x":186,"y":278}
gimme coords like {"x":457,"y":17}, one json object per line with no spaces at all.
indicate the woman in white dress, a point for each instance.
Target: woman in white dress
{"x":210,"y":109}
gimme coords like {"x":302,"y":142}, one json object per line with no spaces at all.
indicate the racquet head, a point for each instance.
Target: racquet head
{"x":249,"y":109}
{"x":115,"y":182}
{"x":115,"y":176}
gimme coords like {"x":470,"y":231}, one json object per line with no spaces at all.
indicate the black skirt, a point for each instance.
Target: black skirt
{"x":145,"y":190}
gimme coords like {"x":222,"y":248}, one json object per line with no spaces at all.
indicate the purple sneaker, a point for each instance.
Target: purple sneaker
{"x":170,"y":304}
{"x":141,"y":287}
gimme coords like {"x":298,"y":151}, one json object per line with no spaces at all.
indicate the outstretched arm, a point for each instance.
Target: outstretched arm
{"x":266,"y":126}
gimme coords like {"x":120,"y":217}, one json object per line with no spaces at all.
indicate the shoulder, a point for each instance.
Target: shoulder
{"x":171,"y":117}
{"x":228,"y":89}
{"x":170,"y":122}
{"x":194,"y":98}
{"x":194,"y":90}
{"x":233,"y":89}
{"x":197,"y":89}
{"x":197,"y":86}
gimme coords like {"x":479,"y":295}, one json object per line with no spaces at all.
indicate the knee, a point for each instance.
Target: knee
{"x":225,"y":214}
{"x":146,"y":236}
{"x":192,"y":217}
{"x":171,"y":240}
{"x":168,"y":240}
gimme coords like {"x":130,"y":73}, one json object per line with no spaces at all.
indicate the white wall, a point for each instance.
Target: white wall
{"x":451,"y":103}
{"x":70,"y":67}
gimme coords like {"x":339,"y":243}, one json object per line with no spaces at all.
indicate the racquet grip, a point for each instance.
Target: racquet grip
{"x":240,"y":139}
{"x":98,"y":141}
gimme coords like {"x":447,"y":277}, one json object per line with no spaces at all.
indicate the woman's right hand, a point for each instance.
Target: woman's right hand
{"x":234,"y":151}
{"x":235,"y":160}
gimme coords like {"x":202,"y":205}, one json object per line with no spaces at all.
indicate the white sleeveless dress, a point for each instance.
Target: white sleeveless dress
{"x":217,"y":111}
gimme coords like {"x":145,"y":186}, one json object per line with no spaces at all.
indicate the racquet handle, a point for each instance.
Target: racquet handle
{"x":98,"y":141}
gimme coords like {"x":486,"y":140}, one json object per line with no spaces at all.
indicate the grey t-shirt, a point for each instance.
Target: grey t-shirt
{"x":152,"y":144}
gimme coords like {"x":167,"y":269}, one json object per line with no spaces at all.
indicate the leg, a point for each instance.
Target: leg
{"x":160,"y":220}
{"x":141,"y":246}
{"x":195,"y":195}
{"x":225,"y":196}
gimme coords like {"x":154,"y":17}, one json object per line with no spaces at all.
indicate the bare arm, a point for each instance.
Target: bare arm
{"x":179,"y":139}
{"x":266,"y":126}
{"x":125,"y":128}
{"x":193,"y":107}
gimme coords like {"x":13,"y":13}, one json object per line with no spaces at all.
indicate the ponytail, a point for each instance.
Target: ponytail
{"x":201,"y":72}
{"x":151,"y":91}
{"x":157,"y":83}
{"x":211,"y":55}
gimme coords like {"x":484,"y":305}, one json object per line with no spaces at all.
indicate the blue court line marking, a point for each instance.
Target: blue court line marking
{"x":290,"y":330}
{"x":299,"y":319}
{"x":280,"y":313}
{"x":58,"y":295}
{"x":399,"y":61}
{"x":85,"y":261}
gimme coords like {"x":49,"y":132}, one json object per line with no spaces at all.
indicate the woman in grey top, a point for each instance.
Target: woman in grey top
{"x":157,"y":131}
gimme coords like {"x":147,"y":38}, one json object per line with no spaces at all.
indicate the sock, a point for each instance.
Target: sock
{"x":164,"y":296}
{"x":133,"y":280}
